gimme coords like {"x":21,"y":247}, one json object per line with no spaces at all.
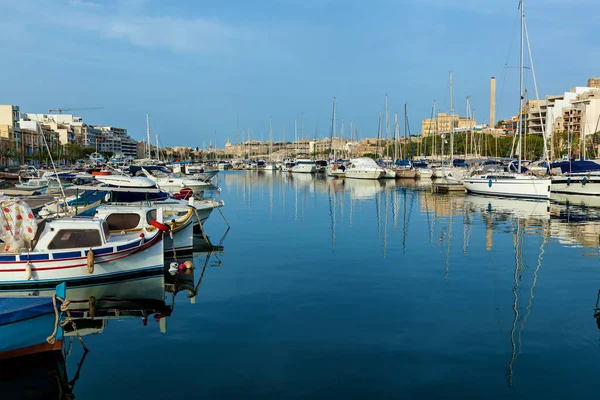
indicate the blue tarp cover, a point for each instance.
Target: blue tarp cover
{"x":13,"y":309}
{"x":576,"y":166}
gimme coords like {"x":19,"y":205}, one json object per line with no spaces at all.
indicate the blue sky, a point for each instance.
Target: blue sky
{"x":195,"y":66}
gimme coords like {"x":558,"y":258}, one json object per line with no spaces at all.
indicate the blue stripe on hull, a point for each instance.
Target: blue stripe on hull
{"x":81,"y":281}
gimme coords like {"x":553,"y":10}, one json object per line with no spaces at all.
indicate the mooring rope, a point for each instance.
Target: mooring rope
{"x":64,"y":307}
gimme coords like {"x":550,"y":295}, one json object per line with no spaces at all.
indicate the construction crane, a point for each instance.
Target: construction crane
{"x":60,"y":110}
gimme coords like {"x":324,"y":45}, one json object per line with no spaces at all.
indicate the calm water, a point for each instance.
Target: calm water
{"x":333,"y":289}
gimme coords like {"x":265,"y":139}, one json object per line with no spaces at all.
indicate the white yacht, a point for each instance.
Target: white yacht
{"x":364,"y":168}
{"x":508,"y":184}
{"x":305,"y":166}
{"x":512,"y":184}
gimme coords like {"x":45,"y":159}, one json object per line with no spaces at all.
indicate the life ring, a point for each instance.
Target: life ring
{"x":159,"y":225}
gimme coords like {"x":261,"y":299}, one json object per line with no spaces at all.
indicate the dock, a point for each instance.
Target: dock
{"x":447,"y":187}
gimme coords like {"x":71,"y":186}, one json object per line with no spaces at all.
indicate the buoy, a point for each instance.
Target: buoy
{"x":181,"y":267}
{"x":90,"y":261}
{"x":173,"y":266}
{"x":28,"y":271}
{"x":188,"y":264}
{"x":159,"y":225}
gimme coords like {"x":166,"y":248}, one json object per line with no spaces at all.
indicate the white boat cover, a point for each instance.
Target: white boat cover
{"x":17,"y":224}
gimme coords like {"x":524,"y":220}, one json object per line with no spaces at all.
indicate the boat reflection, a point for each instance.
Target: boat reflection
{"x":574,"y":220}
{"x":149,"y":299}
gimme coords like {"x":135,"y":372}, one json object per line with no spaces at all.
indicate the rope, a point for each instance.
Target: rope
{"x":201,"y":227}
{"x":64,"y":308}
{"x":173,"y":242}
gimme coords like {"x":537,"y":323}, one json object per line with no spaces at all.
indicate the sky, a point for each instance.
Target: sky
{"x":198,"y":66}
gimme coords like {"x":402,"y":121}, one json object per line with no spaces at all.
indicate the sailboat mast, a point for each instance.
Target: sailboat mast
{"x":270,"y":140}
{"x":387,"y":127}
{"x":396,"y":135}
{"x":521,"y":57}
{"x":378,"y":135}
{"x":148,"y":134}
{"x":157,"y":152}
{"x":451,"y":124}
{"x":332,"y":130}
{"x":405,"y":156}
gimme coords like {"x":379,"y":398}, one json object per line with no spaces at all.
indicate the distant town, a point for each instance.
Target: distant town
{"x":573,"y":114}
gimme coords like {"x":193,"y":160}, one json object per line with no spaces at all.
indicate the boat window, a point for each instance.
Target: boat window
{"x":73,"y":238}
{"x":119,"y":222}
{"x":105,"y":229}
{"x":150,"y":216}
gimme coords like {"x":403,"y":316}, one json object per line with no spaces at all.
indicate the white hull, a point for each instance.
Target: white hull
{"x":270,"y":168}
{"x":206,"y":175}
{"x":30,"y":187}
{"x":576,"y":185}
{"x":141,"y":257}
{"x":522,"y":186}
{"x":363,"y":174}
{"x":389,"y":173}
{"x":337,"y":173}
{"x":175,"y":185}
{"x":304,"y":169}
{"x":424,"y":173}
{"x":126,"y":181}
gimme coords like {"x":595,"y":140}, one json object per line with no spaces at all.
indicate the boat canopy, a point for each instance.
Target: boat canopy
{"x":134,"y":169}
{"x":576,"y":166}
{"x":459,"y":162}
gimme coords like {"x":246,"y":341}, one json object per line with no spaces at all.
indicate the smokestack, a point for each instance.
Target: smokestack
{"x":492,"y":102}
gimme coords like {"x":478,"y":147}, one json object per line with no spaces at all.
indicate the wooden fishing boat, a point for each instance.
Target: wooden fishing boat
{"x":79,"y":250}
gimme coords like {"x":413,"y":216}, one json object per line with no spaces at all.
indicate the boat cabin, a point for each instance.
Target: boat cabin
{"x":65,"y":233}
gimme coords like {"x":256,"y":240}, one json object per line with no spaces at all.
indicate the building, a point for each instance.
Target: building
{"x":535,"y":117}
{"x":583,"y":116}
{"x":554,"y":109}
{"x":594,"y":82}
{"x":445,"y":123}
{"x":10,"y":131}
{"x":115,"y":140}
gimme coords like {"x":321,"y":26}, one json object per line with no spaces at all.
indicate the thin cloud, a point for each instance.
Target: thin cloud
{"x":127,"y":22}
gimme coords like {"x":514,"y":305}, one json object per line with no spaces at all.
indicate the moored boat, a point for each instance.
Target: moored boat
{"x":27,"y":324}
{"x":77,"y":250}
{"x":509,"y":185}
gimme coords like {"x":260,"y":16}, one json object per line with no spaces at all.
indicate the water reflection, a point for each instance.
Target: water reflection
{"x":150,"y":299}
{"x":574,"y":221}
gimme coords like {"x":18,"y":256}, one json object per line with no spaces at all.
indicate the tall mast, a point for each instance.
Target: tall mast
{"x":387,"y":126}
{"x":467,"y":131}
{"x":396,"y":135}
{"x":283,"y":140}
{"x":157,"y":152}
{"x":378,"y":135}
{"x":405,"y":156}
{"x":521,"y":57}
{"x":270,"y":139}
{"x":237,"y":129}
{"x":148,"y":134}
{"x":332,"y":130}
{"x":302,"y":128}
{"x":451,"y":124}
{"x":296,"y":136}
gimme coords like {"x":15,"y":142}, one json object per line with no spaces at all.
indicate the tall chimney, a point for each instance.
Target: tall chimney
{"x":492,"y":102}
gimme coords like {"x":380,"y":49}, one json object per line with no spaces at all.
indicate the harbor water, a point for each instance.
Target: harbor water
{"x":360,"y":289}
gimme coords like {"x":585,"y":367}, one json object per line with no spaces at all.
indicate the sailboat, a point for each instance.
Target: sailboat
{"x":512,"y":184}
{"x":388,"y":173}
{"x":270,"y":166}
